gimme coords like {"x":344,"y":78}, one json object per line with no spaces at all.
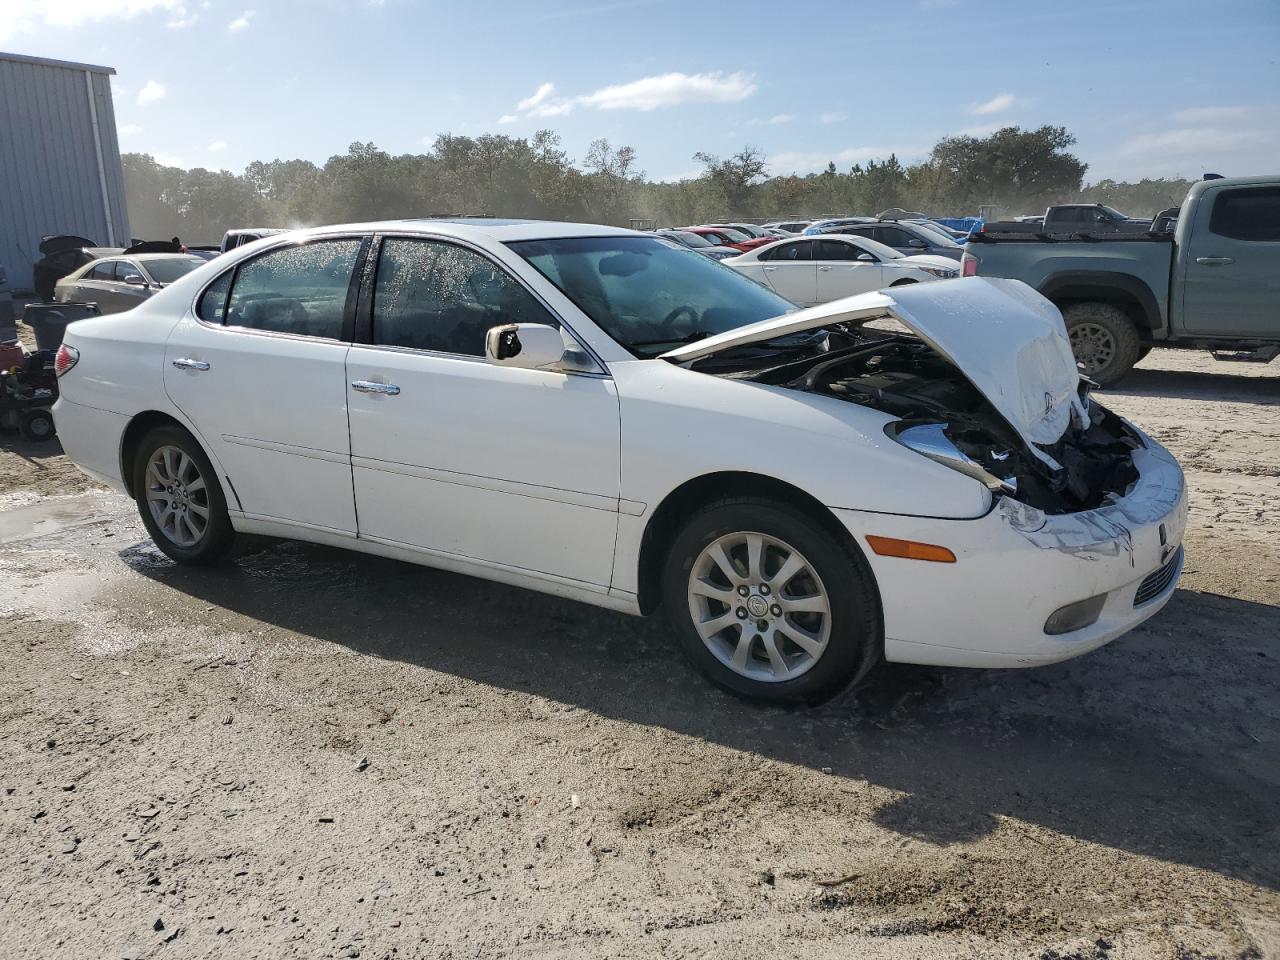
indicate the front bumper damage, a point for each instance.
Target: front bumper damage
{"x":1017,"y":565}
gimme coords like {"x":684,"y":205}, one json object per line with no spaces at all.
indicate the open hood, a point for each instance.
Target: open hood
{"x":1007,"y":339}
{"x":63,"y":242}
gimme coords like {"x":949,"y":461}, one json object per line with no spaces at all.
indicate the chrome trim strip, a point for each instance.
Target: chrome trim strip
{"x":590,"y":501}
{"x":310,"y":453}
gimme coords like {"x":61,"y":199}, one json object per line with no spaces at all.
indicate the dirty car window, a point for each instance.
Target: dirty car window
{"x":300,"y":290}
{"x":650,"y":294}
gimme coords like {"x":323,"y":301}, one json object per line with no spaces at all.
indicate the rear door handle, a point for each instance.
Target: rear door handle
{"x":369,"y":386}
{"x":183,"y":363}
{"x":1214,"y":261}
{"x":770,"y":269}
{"x":824,"y":269}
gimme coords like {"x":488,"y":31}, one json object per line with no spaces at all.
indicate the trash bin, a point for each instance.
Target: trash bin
{"x":49,"y":320}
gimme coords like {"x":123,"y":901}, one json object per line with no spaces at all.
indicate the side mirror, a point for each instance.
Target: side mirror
{"x":866,"y":258}
{"x":528,"y":345}
{"x":918,"y":244}
{"x":135,"y":280}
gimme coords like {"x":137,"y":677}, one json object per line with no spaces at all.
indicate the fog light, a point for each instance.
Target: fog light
{"x":1075,"y":616}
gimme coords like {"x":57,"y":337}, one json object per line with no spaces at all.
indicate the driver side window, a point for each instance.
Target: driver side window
{"x":436,"y":296}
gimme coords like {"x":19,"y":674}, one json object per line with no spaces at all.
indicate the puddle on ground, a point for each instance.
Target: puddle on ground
{"x":50,"y":516}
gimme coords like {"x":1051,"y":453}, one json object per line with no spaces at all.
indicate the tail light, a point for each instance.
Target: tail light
{"x":67,"y":358}
{"x":968,"y":265}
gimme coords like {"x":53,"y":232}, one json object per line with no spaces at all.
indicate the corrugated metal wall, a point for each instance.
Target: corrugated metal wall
{"x":49,"y":176}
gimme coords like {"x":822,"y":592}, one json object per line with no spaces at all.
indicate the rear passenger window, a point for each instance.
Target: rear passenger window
{"x":803,"y":250}
{"x":837,"y":250}
{"x":437,"y":296}
{"x":1249,"y":214}
{"x":300,"y":290}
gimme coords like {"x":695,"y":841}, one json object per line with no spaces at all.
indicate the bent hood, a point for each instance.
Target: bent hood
{"x":1007,"y":339}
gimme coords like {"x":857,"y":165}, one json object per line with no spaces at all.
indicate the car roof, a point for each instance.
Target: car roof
{"x":480,"y":229}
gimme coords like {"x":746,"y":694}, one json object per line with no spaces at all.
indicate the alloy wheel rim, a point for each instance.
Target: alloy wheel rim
{"x":759,"y":606}
{"x":1093,"y":346}
{"x":177,"y":496}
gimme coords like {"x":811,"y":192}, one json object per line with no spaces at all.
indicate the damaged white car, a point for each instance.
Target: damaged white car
{"x":607,"y":416}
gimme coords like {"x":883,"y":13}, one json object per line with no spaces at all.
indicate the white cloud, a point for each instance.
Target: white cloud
{"x":776,"y":120}
{"x":150,"y":93}
{"x":812,"y":161}
{"x":129,"y":130}
{"x":241,"y":22}
{"x":507,"y":118}
{"x":19,"y":17}
{"x":997,"y":104}
{"x":672,"y":89}
{"x":645,"y":94}
{"x":217,"y":146}
{"x":1239,"y":140}
{"x":170,"y":160}
{"x":835,"y":116}
{"x":182,"y":21}
{"x":541,"y":96}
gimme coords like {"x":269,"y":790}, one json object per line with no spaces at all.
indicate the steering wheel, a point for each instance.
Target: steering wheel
{"x":670,"y":319}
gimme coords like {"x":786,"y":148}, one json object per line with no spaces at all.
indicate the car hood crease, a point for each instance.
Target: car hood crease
{"x":1007,"y":339}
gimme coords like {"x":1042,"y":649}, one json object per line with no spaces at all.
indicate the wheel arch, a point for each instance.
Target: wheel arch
{"x":148,"y":420}
{"x":676,"y":507}
{"x":1129,"y":293}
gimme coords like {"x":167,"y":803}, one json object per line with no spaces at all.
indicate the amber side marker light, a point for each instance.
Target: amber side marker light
{"x":910,"y":550}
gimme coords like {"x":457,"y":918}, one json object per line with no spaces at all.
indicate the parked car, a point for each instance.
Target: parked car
{"x":60,"y":255}
{"x":1203,"y":278}
{"x":590,"y":412}
{"x":729,"y":237}
{"x":121,"y":283}
{"x":239,"y":237}
{"x":791,"y":228}
{"x":831,"y":224}
{"x":809,"y":270}
{"x":750,"y":229}
{"x":695,"y":242}
{"x":1072,"y":218}
{"x":905,"y":237}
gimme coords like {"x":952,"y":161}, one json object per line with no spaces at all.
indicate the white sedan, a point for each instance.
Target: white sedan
{"x":605,"y":415}
{"x":809,"y":270}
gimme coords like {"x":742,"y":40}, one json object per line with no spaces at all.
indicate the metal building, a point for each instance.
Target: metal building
{"x":59,"y":159}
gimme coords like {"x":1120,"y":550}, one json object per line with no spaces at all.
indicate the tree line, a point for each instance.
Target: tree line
{"x":1022,"y":171}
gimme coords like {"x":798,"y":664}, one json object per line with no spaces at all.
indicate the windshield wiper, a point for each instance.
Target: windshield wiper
{"x":693,"y":337}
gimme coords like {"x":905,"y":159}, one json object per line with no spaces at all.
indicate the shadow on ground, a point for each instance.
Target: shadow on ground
{"x":1111,"y":748}
{"x":1224,"y":386}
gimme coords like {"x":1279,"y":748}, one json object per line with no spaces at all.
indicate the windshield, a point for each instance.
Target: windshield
{"x":937,"y":230}
{"x":881,"y":250}
{"x":735,"y":236}
{"x":167,"y":271}
{"x":750,"y":230}
{"x":1113,"y":212}
{"x":689,"y":239}
{"x":650,"y":294}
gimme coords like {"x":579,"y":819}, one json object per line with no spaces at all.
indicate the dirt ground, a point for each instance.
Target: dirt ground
{"x":310,"y":753}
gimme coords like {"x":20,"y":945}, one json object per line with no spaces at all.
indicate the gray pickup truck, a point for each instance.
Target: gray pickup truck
{"x":1205,"y":279}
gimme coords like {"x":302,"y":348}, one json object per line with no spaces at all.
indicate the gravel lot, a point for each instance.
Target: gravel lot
{"x":310,"y":753}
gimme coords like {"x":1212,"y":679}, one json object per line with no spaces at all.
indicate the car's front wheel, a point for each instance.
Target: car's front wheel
{"x":180,"y":498}
{"x":769,"y":604}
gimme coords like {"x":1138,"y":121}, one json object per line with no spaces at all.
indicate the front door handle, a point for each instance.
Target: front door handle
{"x":1214,"y":261}
{"x":770,"y":269}
{"x":183,"y":363}
{"x":369,"y":386}
{"x":824,"y":269}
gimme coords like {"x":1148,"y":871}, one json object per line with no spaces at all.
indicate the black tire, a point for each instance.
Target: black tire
{"x":37,"y":425}
{"x":218,"y":536}
{"x":1105,"y":341}
{"x":855,"y":642}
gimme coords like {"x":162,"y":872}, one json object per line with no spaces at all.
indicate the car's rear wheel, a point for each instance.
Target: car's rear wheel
{"x":1103,"y":339}
{"x":180,"y":498}
{"x":769,"y":604}
{"x":38,"y":425}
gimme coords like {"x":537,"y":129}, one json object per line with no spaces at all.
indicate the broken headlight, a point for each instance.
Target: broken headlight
{"x":931,"y":440}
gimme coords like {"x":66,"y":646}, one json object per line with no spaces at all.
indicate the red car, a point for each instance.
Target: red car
{"x":728,"y":237}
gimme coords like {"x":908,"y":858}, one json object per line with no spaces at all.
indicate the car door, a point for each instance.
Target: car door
{"x":95,"y":286}
{"x":841,"y":273}
{"x":457,"y":456}
{"x":790,"y":269}
{"x":129,"y":287}
{"x":1231,"y":264}
{"x":259,"y":370}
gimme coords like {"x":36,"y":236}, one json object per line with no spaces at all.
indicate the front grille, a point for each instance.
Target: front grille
{"x":1158,"y":582}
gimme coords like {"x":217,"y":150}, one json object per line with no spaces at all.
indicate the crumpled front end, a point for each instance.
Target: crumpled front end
{"x":1019,"y":567}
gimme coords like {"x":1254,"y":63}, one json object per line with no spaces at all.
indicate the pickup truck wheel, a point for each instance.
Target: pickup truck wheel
{"x":1104,"y":340}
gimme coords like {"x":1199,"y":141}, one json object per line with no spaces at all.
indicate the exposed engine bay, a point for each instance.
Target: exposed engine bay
{"x":903,"y":376}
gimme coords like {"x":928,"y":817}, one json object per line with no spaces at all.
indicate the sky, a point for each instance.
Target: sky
{"x":1149,"y":87}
